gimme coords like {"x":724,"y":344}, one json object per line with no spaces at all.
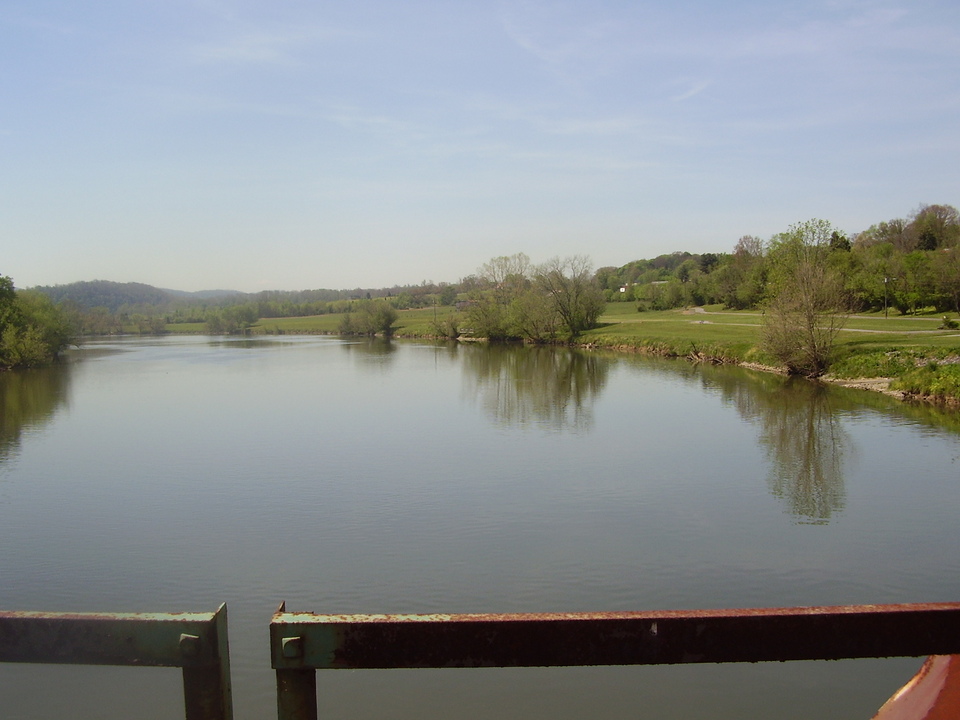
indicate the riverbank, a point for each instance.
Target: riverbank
{"x":874,"y":384}
{"x":909,"y":357}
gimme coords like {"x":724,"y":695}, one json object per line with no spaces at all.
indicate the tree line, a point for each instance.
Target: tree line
{"x":102,"y":307}
{"x":907,"y":264}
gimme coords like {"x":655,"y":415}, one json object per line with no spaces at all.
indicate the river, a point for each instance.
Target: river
{"x":177,"y":473}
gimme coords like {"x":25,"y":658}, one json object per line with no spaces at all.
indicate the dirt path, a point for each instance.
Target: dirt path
{"x":702,"y":311}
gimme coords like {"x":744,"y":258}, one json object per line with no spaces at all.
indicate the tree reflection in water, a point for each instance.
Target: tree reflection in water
{"x":378,"y":350}
{"x":806,"y":444}
{"x":28,"y":398}
{"x":545,"y":386}
{"x":799,"y":420}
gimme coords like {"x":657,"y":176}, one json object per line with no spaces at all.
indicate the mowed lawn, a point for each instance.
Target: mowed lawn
{"x":738,"y":329}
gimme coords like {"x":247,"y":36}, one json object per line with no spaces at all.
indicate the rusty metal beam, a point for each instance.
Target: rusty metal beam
{"x":297,"y":694}
{"x":195,"y":642}
{"x":306,"y":640}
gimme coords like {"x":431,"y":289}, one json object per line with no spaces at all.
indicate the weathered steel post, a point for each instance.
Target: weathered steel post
{"x":195,"y":642}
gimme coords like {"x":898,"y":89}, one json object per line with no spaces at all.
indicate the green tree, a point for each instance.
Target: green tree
{"x":39,"y":311}
{"x":912,"y":286}
{"x":346,"y":325}
{"x":448,"y":325}
{"x":946,"y":274}
{"x":608,"y":278}
{"x":486,"y":317}
{"x":448,"y":294}
{"x":499,"y":283}
{"x":99,"y":321}
{"x":867,"y":273}
{"x":575,"y":295}
{"x":23,"y":347}
{"x":381,"y":318}
{"x":506,"y":276}
{"x":8,"y":299}
{"x":749,"y":273}
{"x":533,"y":316}
{"x":839,"y":242}
{"x":686,"y":270}
{"x":808,"y":305}
{"x":158,"y":324}
{"x":373,"y":317}
{"x":229,"y":320}
{"x":708,"y":261}
{"x":891,"y":231}
{"x":141,"y":321}
{"x":934,"y":227}
{"x":33,"y":330}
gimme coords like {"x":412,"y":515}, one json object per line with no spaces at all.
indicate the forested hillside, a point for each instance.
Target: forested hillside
{"x":115,"y":296}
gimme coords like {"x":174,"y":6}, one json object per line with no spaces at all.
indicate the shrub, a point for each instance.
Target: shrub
{"x":23,"y":347}
{"x":933,"y":380}
{"x":448,"y":326}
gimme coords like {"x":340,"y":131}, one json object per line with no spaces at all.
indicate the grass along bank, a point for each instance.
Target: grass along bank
{"x":906,"y":354}
{"x":911,"y":356}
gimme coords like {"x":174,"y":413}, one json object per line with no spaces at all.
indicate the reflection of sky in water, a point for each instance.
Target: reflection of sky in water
{"x":372,"y":478}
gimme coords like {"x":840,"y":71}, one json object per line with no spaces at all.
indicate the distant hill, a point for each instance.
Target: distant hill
{"x":114,"y":295}
{"x":203,"y":294}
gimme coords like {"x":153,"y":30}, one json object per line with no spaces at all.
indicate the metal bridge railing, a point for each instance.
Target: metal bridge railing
{"x":195,"y":642}
{"x":302,"y":643}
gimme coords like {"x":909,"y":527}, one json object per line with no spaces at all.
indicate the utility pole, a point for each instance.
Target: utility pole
{"x":885,"y":294}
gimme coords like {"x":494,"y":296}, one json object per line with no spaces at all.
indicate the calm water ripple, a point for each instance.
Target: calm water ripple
{"x":178,"y":473}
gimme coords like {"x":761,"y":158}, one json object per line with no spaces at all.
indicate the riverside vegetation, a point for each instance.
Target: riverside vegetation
{"x":33,"y":330}
{"x":809,"y":301}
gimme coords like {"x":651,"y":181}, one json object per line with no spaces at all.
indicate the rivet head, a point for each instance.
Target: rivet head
{"x":190,"y":645}
{"x":292,"y":647}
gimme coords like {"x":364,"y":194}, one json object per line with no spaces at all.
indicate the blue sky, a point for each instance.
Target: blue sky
{"x":260,"y":145}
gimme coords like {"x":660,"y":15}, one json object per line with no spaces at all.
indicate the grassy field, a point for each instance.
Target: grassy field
{"x":410,"y":323}
{"x":921,"y":358}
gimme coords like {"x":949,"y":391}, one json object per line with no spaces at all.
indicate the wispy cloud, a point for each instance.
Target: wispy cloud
{"x":253,"y":48}
{"x":493,"y":113}
{"x":571,"y":44}
{"x":870,"y":16}
{"x":597,"y":126}
{"x":44,"y":25}
{"x":850,"y":27}
{"x":279,"y":46}
{"x":351,"y":117}
{"x":693,"y":90}
{"x":572,"y":164}
{"x":557,"y":44}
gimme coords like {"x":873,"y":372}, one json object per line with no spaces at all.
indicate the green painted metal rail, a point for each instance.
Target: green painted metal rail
{"x":195,"y":642}
{"x":302,"y":643}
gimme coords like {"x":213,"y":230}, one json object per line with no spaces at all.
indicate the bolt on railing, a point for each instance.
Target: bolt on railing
{"x":195,"y":642}
{"x":302,"y":643}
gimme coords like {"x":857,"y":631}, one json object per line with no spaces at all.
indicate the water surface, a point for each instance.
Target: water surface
{"x":352,"y":477}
